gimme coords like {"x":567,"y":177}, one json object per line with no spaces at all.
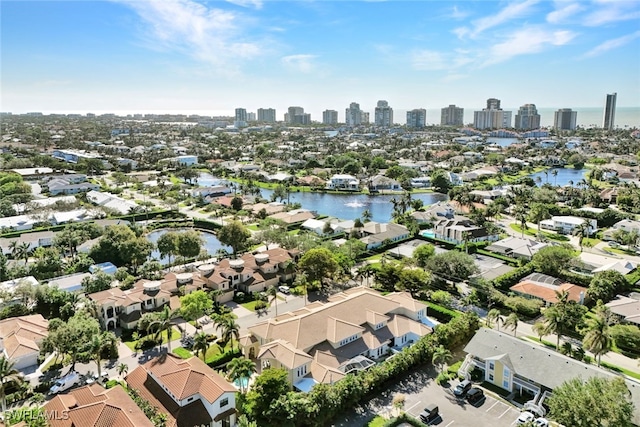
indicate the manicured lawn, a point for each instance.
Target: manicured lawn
{"x":175,"y":334}
{"x":624,"y":371}
{"x":253,"y":227}
{"x":251,"y":305}
{"x":534,"y":232}
{"x":590,"y":242}
{"x":619,"y":251}
{"x":183,"y":353}
{"x":377,"y":422}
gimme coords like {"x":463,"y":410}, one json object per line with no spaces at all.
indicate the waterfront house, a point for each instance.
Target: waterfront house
{"x":461,"y":229}
{"x":568,"y":224}
{"x":343,"y":182}
{"x":376,"y":233}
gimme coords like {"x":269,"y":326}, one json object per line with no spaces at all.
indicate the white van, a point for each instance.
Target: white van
{"x":65,"y":383}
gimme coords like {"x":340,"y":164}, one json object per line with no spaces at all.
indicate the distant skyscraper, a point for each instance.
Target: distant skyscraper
{"x":492,"y":117}
{"x":297,"y":116}
{"x":527,"y":117}
{"x":565,"y":119}
{"x":353,"y":115}
{"x":267,"y":115}
{"x":417,"y":118}
{"x":365,"y":118}
{"x":452,"y":116}
{"x":251,"y":117}
{"x":329,"y":117}
{"x":610,"y":111}
{"x":241,"y":118}
{"x":383,"y":114}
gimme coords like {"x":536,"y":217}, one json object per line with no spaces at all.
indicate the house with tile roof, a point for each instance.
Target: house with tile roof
{"x":545,"y":288}
{"x":323,"y":342}
{"x":460,"y":228}
{"x":94,"y":406}
{"x":628,"y":308}
{"x":188,"y":391}
{"x":526,"y":368}
{"x":375,"y":233}
{"x":20,"y":339}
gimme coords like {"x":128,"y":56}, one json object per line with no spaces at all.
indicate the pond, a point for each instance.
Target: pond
{"x":208,"y":180}
{"x":351,"y":206}
{"x":211,"y":242}
{"x":564,"y":176}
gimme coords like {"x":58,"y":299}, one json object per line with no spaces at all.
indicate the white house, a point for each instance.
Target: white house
{"x":568,"y":224}
{"x":343,"y":182}
{"x":421,"y":182}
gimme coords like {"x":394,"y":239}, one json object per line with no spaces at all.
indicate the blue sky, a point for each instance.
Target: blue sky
{"x":211,"y":57}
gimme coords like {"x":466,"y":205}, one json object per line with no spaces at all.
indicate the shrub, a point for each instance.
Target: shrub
{"x":442,"y":298}
{"x":505,"y":281}
{"x":221,"y":359}
{"x":442,"y":314}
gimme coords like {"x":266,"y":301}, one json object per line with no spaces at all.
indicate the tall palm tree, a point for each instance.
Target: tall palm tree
{"x":8,"y":373}
{"x":441,"y":356}
{"x":162,"y":323}
{"x":272,"y":293}
{"x":96,"y":346}
{"x":494,"y":316}
{"x":13,"y":248}
{"x":511,"y":322}
{"x":241,"y":369}
{"x":123,"y":369}
{"x":230,"y":330}
{"x":22,"y":251}
{"x":201,"y":344}
{"x":540,"y":329}
{"x":598,"y":339}
{"x":366,"y":215}
{"x":555,"y":176}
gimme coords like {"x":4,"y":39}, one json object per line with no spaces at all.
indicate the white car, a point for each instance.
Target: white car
{"x":525,"y":417}
{"x":285,"y":290}
{"x":542,"y":422}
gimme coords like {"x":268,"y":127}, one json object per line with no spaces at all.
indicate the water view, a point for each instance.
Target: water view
{"x":208,"y":180}
{"x":211,"y":243}
{"x":564,"y":176}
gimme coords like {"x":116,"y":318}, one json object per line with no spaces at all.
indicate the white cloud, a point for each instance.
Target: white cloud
{"x":209,"y":35}
{"x":612,"y":44}
{"x":247,"y":3}
{"x":303,"y":63}
{"x":457,"y":14}
{"x":429,"y":60}
{"x":505,"y":15}
{"x":561,"y":14}
{"x":527,"y":41}
{"x":612,"y":11}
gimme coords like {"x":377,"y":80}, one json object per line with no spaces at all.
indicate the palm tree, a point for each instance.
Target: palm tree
{"x":441,"y":355}
{"x":598,"y":338}
{"x":582,"y":231}
{"x":241,"y":369}
{"x":511,"y":322}
{"x":555,"y":176}
{"x":13,"y":247}
{"x":554,"y":322}
{"x":8,"y":373}
{"x":272,"y":294}
{"x":366,"y":215}
{"x":494,"y":316}
{"x":123,"y":369}
{"x":540,"y":329}
{"x":163,"y":323}
{"x":96,"y":346}
{"x":22,"y":251}
{"x":201,"y":344}
{"x":230,"y":330}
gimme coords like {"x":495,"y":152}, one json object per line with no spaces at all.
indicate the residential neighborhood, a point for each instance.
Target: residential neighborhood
{"x":179,"y":271}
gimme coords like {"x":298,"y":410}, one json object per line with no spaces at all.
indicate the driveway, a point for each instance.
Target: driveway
{"x":420,"y":389}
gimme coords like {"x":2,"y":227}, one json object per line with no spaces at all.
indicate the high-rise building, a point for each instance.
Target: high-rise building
{"x":565,"y":119}
{"x":527,"y":117}
{"x":417,"y":118}
{"x":365,"y":118}
{"x":353,"y":115}
{"x":492,"y":117}
{"x":383,"y":114}
{"x":251,"y":117}
{"x":297,"y":116}
{"x":452,"y":116}
{"x":241,"y":118}
{"x":610,"y":111}
{"x":267,"y":115}
{"x":329,"y":117}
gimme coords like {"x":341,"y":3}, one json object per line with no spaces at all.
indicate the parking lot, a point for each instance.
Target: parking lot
{"x":455,"y":412}
{"x":419,"y":390}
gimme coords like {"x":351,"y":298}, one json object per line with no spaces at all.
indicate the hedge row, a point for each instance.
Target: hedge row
{"x":505,"y":281}
{"x":508,"y":260}
{"x":440,"y":313}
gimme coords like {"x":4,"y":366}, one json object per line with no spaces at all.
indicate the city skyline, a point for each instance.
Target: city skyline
{"x":183,"y":56}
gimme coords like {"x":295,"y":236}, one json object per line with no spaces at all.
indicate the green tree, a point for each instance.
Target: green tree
{"x":452,"y":265}
{"x":100,"y":281}
{"x":511,"y":322}
{"x":163,"y":323}
{"x":318,"y":264}
{"x":538,"y":212}
{"x":234,"y":234}
{"x":626,"y":337}
{"x":595,"y":402}
{"x":552,"y":260}
{"x":201,"y":344}
{"x":98,"y":345}
{"x":189,"y":244}
{"x":236,"y":203}
{"x":240,"y":369}
{"x":598,"y":337}
{"x":440,"y":181}
{"x":413,"y":280}
{"x":441,"y":355}
{"x":8,"y":374}
{"x":230,"y":330}
{"x":494,"y":316}
{"x":422,"y":254}
{"x":123,"y":369}
{"x":195,"y":304}
{"x":606,"y":284}
{"x":71,"y":337}
{"x":167,"y":244}
{"x":269,"y":386}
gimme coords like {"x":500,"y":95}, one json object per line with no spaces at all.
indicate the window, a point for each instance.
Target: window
{"x":506,"y":372}
{"x":505,"y":384}
{"x":492,"y":366}
{"x":491,"y":377}
{"x":224,"y":402}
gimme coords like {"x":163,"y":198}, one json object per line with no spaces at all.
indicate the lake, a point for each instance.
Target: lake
{"x":208,"y":180}
{"x":211,"y":242}
{"x":564,"y":176}
{"x":351,"y":206}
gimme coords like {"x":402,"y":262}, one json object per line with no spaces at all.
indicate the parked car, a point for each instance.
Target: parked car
{"x":462,"y":388}
{"x":65,"y":383}
{"x":284,"y":289}
{"x":525,"y":417}
{"x":475,"y":395}
{"x":542,"y":422}
{"x":429,"y":414}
